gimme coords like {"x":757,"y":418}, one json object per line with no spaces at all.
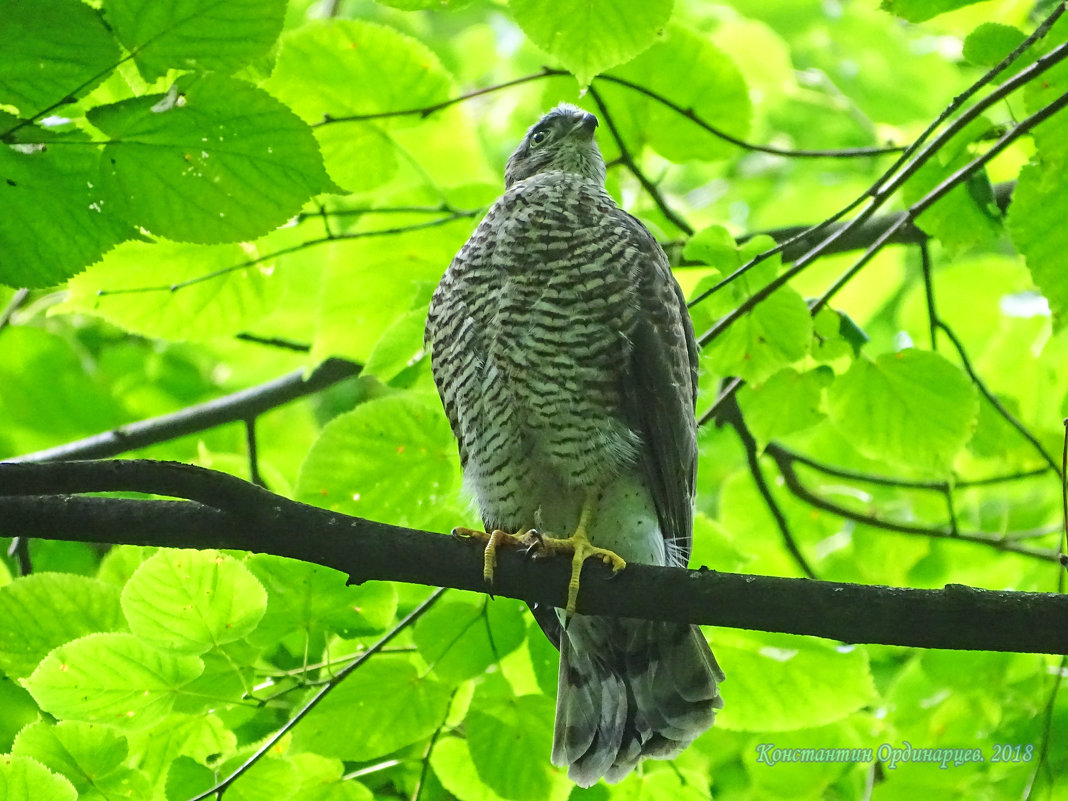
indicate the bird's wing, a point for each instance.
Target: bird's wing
{"x":456,"y":347}
{"x":659,"y":392}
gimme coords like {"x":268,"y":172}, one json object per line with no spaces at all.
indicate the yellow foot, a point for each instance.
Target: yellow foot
{"x":525,"y":539}
{"x":581,"y":549}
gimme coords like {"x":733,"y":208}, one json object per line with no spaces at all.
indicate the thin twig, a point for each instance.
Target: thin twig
{"x":719,"y":133}
{"x":1000,"y":542}
{"x":909,"y":161}
{"x":233,"y":408}
{"x":928,"y":291}
{"x":323,"y":240}
{"x":271,"y":741}
{"x":628,"y":161}
{"x":13,"y":306}
{"x":999,"y":407}
{"x":732,"y":415}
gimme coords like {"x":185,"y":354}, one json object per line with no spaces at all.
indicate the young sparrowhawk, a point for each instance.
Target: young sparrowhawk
{"x":566,"y":361}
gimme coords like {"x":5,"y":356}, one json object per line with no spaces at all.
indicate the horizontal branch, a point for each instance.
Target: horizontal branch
{"x":36,"y":500}
{"x":846,"y":238}
{"x":243,"y":405}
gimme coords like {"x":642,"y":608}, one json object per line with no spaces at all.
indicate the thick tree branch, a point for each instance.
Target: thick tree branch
{"x":239,"y":406}
{"x":229,"y":513}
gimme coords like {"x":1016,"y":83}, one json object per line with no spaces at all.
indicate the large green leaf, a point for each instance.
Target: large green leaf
{"x":921,"y":10}
{"x":316,"y":69}
{"x":203,"y":35}
{"x":45,"y":610}
{"x":788,"y":401}
{"x":316,"y":600}
{"x":461,"y":637}
{"x":779,"y":682}
{"x":391,"y":459}
{"x":192,"y":601}
{"x":213,"y":160}
{"x":55,"y":217}
{"x":266,"y":780}
{"x":111,"y":678}
{"x":714,"y":90}
{"x":200,"y":738}
{"x":26,"y":779}
{"x":90,"y":755}
{"x":383,"y":706}
{"x":591,"y":36}
{"x":53,"y":50}
{"x":775,"y":333}
{"x":1036,"y":223}
{"x":228,"y":303}
{"x":967,"y":215}
{"x":911,"y":408}
{"x":454,"y":768}
{"x":497,"y":727}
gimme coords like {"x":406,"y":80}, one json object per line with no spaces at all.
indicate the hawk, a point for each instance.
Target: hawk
{"x":566,"y":362}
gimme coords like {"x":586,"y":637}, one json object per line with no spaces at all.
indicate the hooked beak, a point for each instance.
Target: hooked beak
{"x":587,"y":124}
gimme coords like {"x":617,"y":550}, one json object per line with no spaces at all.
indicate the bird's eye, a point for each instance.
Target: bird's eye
{"x":538,"y":138}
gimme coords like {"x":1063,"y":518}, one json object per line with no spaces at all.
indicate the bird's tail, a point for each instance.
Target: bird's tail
{"x":630,"y":689}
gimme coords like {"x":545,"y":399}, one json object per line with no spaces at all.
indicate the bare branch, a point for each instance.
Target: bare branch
{"x":238,"y":407}
{"x":230,"y":513}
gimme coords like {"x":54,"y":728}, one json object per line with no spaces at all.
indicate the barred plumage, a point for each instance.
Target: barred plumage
{"x":566,"y":363}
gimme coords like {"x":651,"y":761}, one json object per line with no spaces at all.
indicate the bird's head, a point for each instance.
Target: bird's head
{"x":561,"y":140}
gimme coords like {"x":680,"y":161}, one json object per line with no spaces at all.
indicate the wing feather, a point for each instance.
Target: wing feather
{"x":659,"y":392}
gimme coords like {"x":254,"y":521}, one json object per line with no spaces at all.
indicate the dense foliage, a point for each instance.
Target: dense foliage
{"x":196,"y":197}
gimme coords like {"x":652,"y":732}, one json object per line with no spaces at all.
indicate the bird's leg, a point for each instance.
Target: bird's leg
{"x":581,"y":549}
{"x":527,"y":539}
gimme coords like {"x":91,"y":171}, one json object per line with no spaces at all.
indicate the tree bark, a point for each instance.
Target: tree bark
{"x":221,"y":511}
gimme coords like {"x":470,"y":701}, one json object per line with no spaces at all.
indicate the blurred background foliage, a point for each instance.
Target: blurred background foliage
{"x":201,"y":197}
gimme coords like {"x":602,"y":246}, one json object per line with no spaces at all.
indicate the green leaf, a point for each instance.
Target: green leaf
{"x":200,"y":737}
{"x":460,"y":639}
{"x":323,"y":779}
{"x":967,"y":215}
{"x":591,"y":36}
{"x":111,"y":678}
{"x":370,"y":282}
{"x":226,"y":678}
{"x":187,"y":778}
{"x":664,"y":784}
{"x":782,"y":682}
{"x":390,"y":459}
{"x":88,"y":754}
{"x":315,"y":600}
{"x":775,"y":333}
{"x":788,"y":401}
{"x":213,"y":160}
{"x":399,"y":347}
{"x":192,"y":601}
{"x":53,"y":50}
{"x":989,"y":43}
{"x":197,"y":35}
{"x":1036,"y":224}
{"x":226,"y":304}
{"x":911,"y":408}
{"x":922,"y":10}
{"x":405,"y":706}
{"x":25,"y":779}
{"x":54,"y":216}
{"x":44,"y":610}
{"x":510,"y":740}
{"x":267,"y":780}
{"x":394,"y":72}
{"x":714,"y":90}
{"x":452,"y":764}
{"x":715,"y":247}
